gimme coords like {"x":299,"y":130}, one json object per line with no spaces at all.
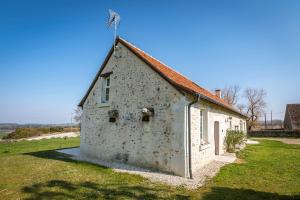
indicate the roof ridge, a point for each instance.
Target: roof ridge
{"x":178,"y":73}
{"x":157,"y":60}
{"x":129,"y":43}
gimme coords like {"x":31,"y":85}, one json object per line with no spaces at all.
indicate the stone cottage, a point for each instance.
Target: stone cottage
{"x":141,"y":112}
{"x":292,"y":117}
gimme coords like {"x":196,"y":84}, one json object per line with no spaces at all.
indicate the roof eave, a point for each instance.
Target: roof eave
{"x":219,"y":104}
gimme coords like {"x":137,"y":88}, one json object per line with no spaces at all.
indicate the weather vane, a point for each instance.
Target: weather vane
{"x":114,"y":20}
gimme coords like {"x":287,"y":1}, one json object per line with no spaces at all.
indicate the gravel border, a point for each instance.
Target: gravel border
{"x":56,"y":135}
{"x":252,"y":141}
{"x":207,"y":171}
{"x":45,"y":136}
{"x":283,"y":140}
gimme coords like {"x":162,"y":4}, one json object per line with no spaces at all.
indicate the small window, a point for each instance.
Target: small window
{"x":203,"y":127}
{"x":105,"y":90}
{"x":241,"y":126}
{"x":107,"y":81}
{"x":236,"y":128}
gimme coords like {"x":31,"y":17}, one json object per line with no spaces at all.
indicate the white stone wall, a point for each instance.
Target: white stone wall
{"x":202,"y":154}
{"x":159,"y":143}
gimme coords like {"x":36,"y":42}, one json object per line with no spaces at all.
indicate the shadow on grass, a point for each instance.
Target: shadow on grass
{"x":62,"y":189}
{"x":54,"y":155}
{"x":243,"y":194}
{"x":59,"y":189}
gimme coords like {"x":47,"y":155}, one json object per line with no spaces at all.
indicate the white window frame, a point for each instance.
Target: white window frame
{"x":201,"y":127}
{"x":241,"y":125}
{"x":105,"y":94}
{"x":236,"y":128}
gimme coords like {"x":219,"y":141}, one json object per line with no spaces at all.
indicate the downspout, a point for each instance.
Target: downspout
{"x":189,"y":134}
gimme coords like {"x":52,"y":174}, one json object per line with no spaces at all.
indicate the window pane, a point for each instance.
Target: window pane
{"x":107,"y":94}
{"x":105,"y":90}
{"x":236,"y":128}
{"x":201,"y":125}
{"x":108,"y":81}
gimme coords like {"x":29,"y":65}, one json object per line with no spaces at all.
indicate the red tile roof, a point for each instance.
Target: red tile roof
{"x":173,"y":77}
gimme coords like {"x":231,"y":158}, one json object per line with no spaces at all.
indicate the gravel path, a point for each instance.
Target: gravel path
{"x":199,"y":178}
{"x":284,"y":140}
{"x":57,"y":135}
{"x":252,"y":142}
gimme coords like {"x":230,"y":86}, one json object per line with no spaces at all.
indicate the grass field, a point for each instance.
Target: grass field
{"x":32,"y":170}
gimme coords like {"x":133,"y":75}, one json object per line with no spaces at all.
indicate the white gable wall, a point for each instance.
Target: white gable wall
{"x":159,"y":143}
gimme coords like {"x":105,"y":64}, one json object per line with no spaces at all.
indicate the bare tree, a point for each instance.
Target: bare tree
{"x":230,"y":94}
{"x":241,"y":107}
{"x":255,"y":105}
{"x":77,"y":116}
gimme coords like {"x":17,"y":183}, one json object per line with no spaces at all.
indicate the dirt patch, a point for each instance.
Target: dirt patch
{"x":239,"y":161}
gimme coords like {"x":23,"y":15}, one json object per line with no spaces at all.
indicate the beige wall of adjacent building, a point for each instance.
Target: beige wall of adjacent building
{"x":204,"y":153}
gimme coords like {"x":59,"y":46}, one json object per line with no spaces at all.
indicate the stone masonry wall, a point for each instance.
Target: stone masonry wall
{"x":159,"y":143}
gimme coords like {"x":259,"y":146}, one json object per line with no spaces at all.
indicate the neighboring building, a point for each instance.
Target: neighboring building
{"x":141,"y":112}
{"x":292,"y":117}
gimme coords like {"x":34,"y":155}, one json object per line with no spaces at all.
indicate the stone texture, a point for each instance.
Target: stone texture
{"x":157,"y":144}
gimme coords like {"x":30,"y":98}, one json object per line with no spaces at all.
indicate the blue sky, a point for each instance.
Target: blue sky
{"x":50,"y":50}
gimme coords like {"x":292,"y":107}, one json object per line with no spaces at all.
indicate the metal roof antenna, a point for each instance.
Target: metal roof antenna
{"x":114,"y":20}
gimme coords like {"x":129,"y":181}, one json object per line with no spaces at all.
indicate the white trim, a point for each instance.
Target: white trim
{"x":186,"y":146}
{"x":201,"y":128}
{"x":104,"y":88}
{"x":101,"y":105}
{"x":204,"y":146}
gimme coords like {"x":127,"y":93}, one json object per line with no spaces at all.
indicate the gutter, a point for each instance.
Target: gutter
{"x":219,"y":104}
{"x":189,"y":134}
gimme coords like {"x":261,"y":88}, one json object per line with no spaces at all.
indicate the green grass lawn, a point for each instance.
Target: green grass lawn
{"x":33,"y":170}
